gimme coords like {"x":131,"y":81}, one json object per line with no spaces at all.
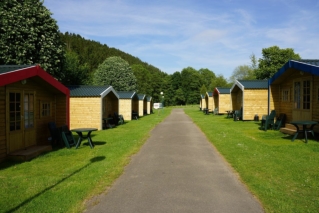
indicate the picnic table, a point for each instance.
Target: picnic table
{"x":305,"y":129}
{"x":206,"y":111}
{"x":230,"y":113}
{"x":80,"y":131}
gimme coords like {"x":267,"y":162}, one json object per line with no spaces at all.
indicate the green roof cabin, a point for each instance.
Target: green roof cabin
{"x":142,"y":105}
{"x":30,"y":99}
{"x":129,"y":103}
{"x":89,"y":105}
{"x":202,"y":101}
{"x":222,"y":99}
{"x":250,"y":96}
{"x":294,"y":91}
{"x":209,"y":101}
{"x":149,"y":105}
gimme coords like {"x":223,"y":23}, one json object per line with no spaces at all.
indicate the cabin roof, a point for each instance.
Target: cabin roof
{"x":127,"y":94}
{"x":149,"y":98}
{"x":222,"y":90}
{"x":141,"y":96}
{"x":305,"y":65}
{"x":13,"y":73}
{"x":90,"y":90}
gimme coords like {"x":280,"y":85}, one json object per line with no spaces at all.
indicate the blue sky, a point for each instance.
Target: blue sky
{"x":175,"y":34}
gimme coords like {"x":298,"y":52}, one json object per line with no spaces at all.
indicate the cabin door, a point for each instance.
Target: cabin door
{"x":20,"y":122}
{"x":302,"y":100}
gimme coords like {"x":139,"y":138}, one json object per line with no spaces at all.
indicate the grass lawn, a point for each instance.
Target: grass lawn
{"x":61,"y":180}
{"x":284,"y":175}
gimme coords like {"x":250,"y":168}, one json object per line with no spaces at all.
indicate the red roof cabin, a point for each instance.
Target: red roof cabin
{"x":30,"y":98}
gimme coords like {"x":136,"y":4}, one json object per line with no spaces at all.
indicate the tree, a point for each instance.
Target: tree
{"x":28,"y":35}
{"x":191,"y":83}
{"x":143,"y":79}
{"x":206,"y":76}
{"x":242,"y":72}
{"x":74,"y":73}
{"x":219,"y":81}
{"x":203,"y":89}
{"x":273,"y":59}
{"x":116,"y":72}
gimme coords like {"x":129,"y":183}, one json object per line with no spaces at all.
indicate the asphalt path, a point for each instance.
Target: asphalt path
{"x":176,"y":170}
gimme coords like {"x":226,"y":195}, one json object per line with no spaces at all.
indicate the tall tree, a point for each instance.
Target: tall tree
{"x":191,"y":83}
{"x":28,"y":35}
{"x":219,"y":81}
{"x":116,"y":72}
{"x":242,"y":72}
{"x":273,"y":58}
{"x":143,"y":79}
{"x":206,"y":76}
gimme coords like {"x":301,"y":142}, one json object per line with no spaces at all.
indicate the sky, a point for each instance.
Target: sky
{"x":175,"y":34}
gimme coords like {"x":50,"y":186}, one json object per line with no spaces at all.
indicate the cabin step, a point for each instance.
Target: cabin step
{"x":29,"y":153}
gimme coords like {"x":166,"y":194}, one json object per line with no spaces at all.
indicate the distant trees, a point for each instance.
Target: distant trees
{"x":28,"y":35}
{"x":242,"y":72}
{"x":273,"y":58}
{"x":116,"y":72}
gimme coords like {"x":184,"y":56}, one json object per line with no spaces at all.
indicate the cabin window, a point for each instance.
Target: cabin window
{"x":15,"y":111}
{"x":28,"y":110}
{"x":302,"y":94}
{"x":285,"y":95}
{"x":45,"y":109}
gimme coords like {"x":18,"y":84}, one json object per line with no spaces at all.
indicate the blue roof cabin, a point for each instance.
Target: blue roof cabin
{"x":294,"y":91}
{"x":90,"y":104}
{"x":251,"y":97}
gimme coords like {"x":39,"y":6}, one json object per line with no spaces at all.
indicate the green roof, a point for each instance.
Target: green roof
{"x":87,"y":91}
{"x":10,"y":68}
{"x":254,"y":84}
{"x":149,"y":98}
{"x":141,"y":96}
{"x":126,"y":94}
{"x":223,"y":90}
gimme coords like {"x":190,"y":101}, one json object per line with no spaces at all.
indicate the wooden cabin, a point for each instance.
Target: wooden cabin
{"x":142,"y":105}
{"x":149,"y":105}
{"x":222,"y":99}
{"x":90,"y":105}
{"x":294,"y":91}
{"x":202,"y":102}
{"x":128,"y":103}
{"x":30,"y":99}
{"x":209,"y":101}
{"x":250,"y":96}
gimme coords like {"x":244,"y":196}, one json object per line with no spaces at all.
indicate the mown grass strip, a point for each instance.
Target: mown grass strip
{"x":284,"y":175}
{"x":61,"y":180}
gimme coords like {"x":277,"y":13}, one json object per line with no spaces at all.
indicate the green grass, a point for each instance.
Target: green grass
{"x":61,"y":180}
{"x":284,"y":175}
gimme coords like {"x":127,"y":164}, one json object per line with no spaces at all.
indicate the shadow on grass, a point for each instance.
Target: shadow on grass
{"x":93,"y":160}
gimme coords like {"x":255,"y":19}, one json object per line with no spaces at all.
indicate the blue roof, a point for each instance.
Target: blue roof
{"x":305,"y":65}
{"x":149,"y":98}
{"x":210,"y":94}
{"x":87,"y":91}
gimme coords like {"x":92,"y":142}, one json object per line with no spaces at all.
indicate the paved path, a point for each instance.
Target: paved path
{"x":177,"y":170}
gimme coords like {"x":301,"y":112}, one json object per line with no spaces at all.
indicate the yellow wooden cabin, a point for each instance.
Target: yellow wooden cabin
{"x":251,"y":97}
{"x":294,"y":91}
{"x":142,"y":105}
{"x":91,"y":105}
{"x":149,"y":105}
{"x":30,"y":99}
{"x":209,"y":101}
{"x":128,"y":103}
{"x":202,"y":101}
{"x":222,"y":99}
